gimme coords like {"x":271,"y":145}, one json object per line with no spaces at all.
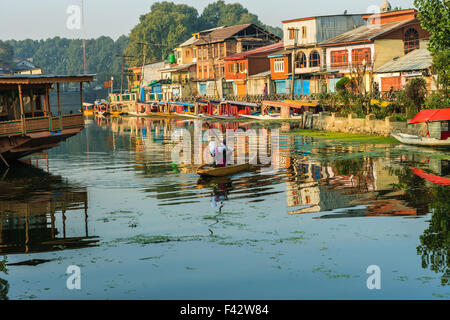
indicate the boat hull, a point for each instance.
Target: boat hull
{"x":207,"y":171}
{"x":421,"y":141}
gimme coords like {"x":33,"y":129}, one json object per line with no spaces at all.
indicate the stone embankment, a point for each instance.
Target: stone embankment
{"x":352,"y":124}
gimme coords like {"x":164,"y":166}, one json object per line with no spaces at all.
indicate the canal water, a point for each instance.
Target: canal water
{"x":331,"y":218}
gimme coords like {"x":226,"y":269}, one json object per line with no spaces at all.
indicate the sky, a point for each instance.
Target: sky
{"x":42,"y":19}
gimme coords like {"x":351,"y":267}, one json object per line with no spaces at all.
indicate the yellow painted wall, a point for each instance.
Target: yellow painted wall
{"x":386,"y":50}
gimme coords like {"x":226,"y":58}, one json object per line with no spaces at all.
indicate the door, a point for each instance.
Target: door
{"x":280,"y":86}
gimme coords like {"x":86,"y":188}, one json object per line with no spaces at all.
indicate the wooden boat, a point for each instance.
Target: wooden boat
{"x":420,"y":141}
{"x":438,"y":120}
{"x":209,"y":171}
{"x":88,"y":109}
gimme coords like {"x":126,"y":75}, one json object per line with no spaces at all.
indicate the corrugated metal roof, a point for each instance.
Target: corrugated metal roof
{"x":44,"y":78}
{"x":222,"y":34}
{"x":178,"y":68}
{"x":258,"y":51}
{"x":366,"y":33}
{"x":419,"y":59}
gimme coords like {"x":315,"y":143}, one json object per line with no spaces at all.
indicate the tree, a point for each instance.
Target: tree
{"x":416,"y":91}
{"x":221,"y":14}
{"x":434,"y":16}
{"x":6,"y":55}
{"x":166,"y":26}
{"x":441,"y":68}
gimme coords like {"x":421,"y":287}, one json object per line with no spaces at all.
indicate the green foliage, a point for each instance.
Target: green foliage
{"x":345,"y":84}
{"x":434,"y":16}
{"x":65,"y":56}
{"x":436,"y":101}
{"x":415,"y":92}
{"x":6,"y":55}
{"x":167,"y":25}
{"x":220,"y":14}
{"x":441,"y":68}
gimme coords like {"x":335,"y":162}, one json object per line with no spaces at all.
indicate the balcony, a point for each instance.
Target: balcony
{"x":40,"y":124}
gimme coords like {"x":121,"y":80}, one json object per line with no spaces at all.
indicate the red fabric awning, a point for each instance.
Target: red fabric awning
{"x":431,"y":115}
{"x":431,"y":177}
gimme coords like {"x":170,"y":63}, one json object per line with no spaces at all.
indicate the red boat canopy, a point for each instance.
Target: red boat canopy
{"x":431,"y":115}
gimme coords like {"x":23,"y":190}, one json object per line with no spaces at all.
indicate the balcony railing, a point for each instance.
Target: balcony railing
{"x":40,"y":124}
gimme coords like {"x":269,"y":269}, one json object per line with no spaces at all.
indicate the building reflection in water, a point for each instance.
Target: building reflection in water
{"x":35,"y":211}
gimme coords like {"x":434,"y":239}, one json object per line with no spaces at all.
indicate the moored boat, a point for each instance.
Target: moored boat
{"x":420,"y":141}
{"x":438,"y":129}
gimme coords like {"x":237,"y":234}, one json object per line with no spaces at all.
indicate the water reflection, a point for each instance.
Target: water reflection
{"x":36,"y":211}
{"x":328,"y":181}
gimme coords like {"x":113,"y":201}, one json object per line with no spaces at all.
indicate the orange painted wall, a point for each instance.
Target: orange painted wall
{"x":280,"y":75}
{"x":235,"y":75}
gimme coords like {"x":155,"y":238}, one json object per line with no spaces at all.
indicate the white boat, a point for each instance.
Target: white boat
{"x":420,"y":141}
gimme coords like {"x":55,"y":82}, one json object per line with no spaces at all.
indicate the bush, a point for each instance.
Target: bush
{"x":436,"y":101}
{"x":344,"y":84}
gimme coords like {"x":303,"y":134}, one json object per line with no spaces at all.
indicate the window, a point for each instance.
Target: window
{"x":303,"y":32}
{"x":278,"y":65}
{"x":200,"y":54}
{"x":314,"y":59}
{"x":187,"y":53}
{"x":300,"y":60}
{"x":291,"y":34}
{"x":339,"y":58}
{"x":195,"y":53}
{"x":361,"y":55}
{"x":411,"y":40}
{"x":222,"y":50}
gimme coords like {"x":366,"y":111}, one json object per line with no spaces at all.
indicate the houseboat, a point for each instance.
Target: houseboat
{"x":28,"y":124}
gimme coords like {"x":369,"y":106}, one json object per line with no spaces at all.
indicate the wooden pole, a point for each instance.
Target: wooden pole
{"x":81,"y":95}
{"x":33,"y":102}
{"x":59,"y":99}
{"x":22,"y":115}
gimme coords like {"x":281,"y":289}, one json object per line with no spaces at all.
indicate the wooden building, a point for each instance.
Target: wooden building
{"x":212,"y":48}
{"x":398,"y":72}
{"x":301,"y":39}
{"x":241,"y":67}
{"x":27,"y":123}
{"x":384,"y":37}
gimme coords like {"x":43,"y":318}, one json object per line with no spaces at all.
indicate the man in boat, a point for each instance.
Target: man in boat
{"x":219,"y":153}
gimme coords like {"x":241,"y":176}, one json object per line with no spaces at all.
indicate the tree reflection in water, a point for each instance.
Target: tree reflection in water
{"x":434,"y":243}
{"x":4,"y":285}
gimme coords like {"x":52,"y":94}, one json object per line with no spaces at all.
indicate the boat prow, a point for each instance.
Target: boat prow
{"x":209,"y":171}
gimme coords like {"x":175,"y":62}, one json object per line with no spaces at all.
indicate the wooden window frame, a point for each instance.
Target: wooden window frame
{"x":278,"y":65}
{"x":297,"y":60}
{"x":313,"y":59}
{"x":304,"y":32}
{"x":411,"y":40}
{"x":358,"y":56}
{"x":339,"y":58}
